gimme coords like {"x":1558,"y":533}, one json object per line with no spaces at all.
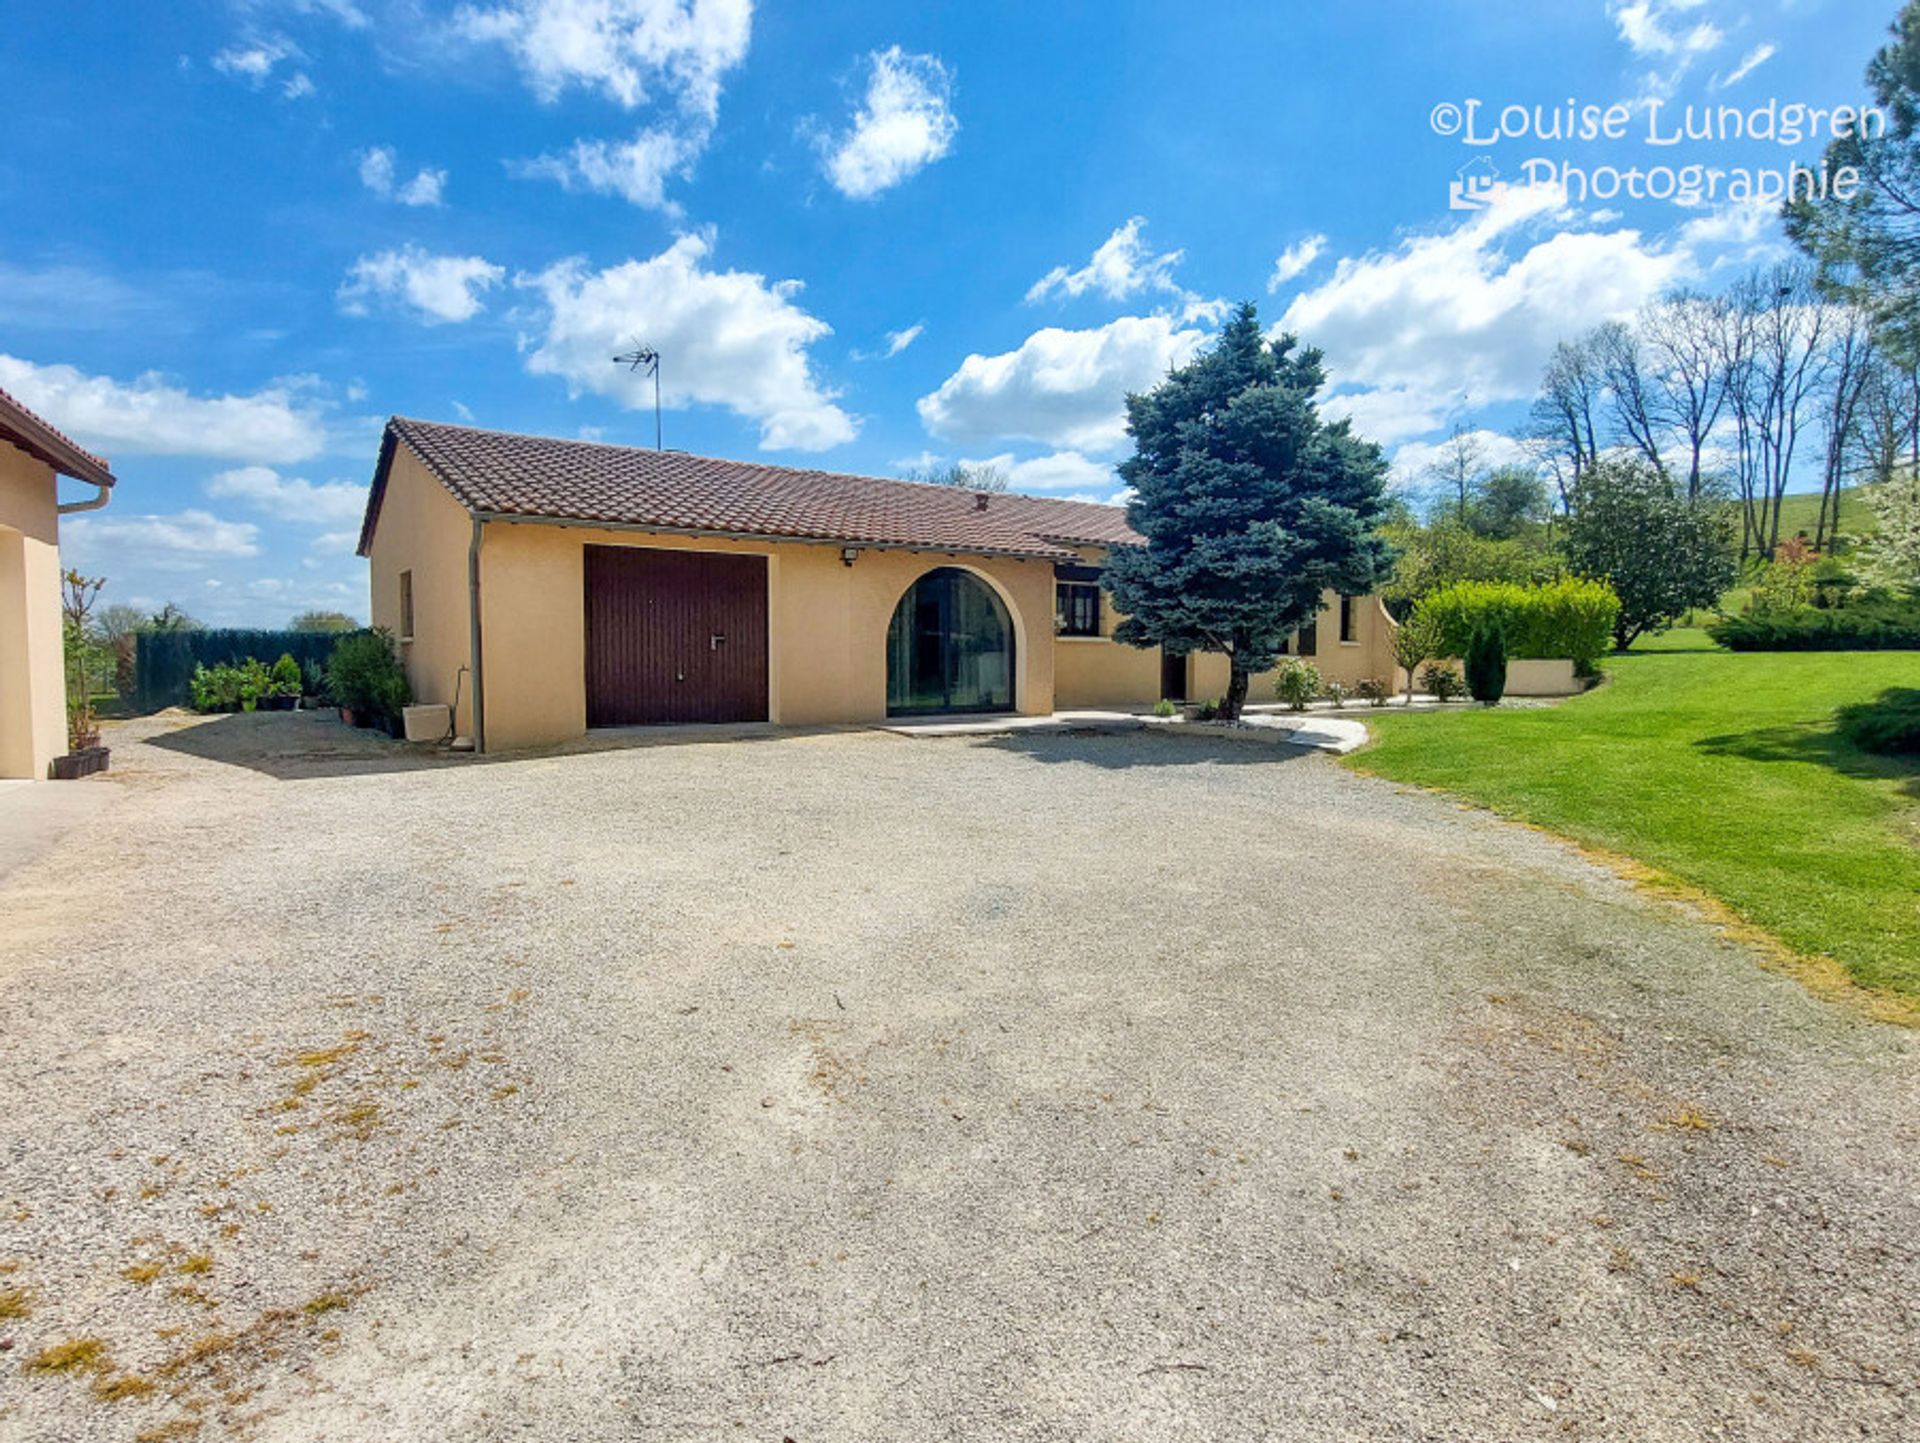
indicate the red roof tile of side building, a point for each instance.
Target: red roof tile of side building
{"x":50,"y":446}
{"x":501,"y":475}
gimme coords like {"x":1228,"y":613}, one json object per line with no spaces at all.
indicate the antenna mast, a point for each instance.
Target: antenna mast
{"x":645,"y":357}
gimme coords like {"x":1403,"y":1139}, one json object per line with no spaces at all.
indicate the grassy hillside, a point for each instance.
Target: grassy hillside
{"x":1800,"y":513}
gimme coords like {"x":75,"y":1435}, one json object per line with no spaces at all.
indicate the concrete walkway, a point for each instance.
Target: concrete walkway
{"x":1295,"y":729}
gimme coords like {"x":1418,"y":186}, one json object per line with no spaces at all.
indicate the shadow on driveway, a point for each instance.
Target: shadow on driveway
{"x":300,"y":746}
{"x":1118,"y":751}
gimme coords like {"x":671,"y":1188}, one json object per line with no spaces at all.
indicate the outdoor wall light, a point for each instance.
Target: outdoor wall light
{"x":847,"y":554}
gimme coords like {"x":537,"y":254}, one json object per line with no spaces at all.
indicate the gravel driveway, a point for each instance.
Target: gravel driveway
{"x":851,"y":1087}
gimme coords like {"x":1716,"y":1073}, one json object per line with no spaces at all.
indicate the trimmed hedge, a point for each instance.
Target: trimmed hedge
{"x":1567,"y":618}
{"x":164,"y":660}
{"x":1862,"y":626}
{"x":1889,"y":723}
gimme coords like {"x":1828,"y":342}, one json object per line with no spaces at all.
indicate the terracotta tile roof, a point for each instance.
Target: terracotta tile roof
{"x":20,"y":427}
{"x":497,"y":473}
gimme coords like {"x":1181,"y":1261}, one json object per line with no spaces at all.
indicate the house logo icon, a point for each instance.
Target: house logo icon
{"x":1476,"y":185}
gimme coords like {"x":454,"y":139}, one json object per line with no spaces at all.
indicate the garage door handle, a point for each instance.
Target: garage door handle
{"x":713,"y":642}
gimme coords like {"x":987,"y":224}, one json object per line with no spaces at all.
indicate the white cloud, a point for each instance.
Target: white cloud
{"x":1413,"y":463}
{"x":253,"y":61}
{"x":438,"y":288}
{"x":291,"y":498}
{"x":1743,"y":233}
{"x":636,"y":170}
{"x":1657,"y":29}
{"x":1388,"y":414}
{"x":179,"y":542}
{"x":905,"y":123}
{"x":898,"y":341}
{"x":377,"y":175}
{"x":628,"y":50}
{"x":1061,"y":388}
{"x":345,"y":11}
{"x":1061,"y":471}
{"x":726,"y":338}
{"x":1750,"y":62}
{"x":1460,"y":311}
{"x":336,"y":543}
{"x":632,"y":52}
{"x":298,"y":86}
{"x":1295,"y":261}
{"x":148,"y":416}
{"x":1121,"y":267}
{"x":1667,"y":35}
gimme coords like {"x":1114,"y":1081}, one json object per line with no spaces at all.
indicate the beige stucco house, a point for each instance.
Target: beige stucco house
{"x":33,"y":688}
{"x":543,"y":587}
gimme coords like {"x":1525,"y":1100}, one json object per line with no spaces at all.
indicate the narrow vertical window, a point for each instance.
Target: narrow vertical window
{"x":406,"y":606}
{"x":1346,"y":618}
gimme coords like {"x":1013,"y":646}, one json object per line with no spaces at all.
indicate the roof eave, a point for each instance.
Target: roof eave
{"x":27,"y":431}
{"x":939,"y":548}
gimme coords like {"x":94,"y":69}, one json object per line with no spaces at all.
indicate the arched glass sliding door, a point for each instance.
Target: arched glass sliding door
{"x":949,"y":647}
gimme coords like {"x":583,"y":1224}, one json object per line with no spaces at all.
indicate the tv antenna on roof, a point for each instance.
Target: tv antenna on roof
{"x":645,"y":357}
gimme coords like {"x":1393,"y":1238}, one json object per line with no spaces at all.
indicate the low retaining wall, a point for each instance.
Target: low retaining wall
{"x":1542,"y":678}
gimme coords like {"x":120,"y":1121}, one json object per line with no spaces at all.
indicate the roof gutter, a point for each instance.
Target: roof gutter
{"x":929,"y":548}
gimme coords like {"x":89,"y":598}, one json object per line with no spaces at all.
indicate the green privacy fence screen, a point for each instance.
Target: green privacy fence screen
{"x":164,"y":660}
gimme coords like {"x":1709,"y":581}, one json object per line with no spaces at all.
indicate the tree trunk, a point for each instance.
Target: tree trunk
{"x":1236,"y":696}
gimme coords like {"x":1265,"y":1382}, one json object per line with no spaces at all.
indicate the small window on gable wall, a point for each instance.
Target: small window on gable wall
{"x":406,"y":606}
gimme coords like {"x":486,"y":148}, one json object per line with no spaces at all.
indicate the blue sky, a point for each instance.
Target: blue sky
{"x":861,"y":236}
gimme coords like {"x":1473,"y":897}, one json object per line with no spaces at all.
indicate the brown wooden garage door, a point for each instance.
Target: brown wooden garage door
{"x":675,"y":636}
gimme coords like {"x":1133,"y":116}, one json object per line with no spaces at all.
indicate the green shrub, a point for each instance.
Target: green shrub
{"x":1165,"y":708}
{"x":365,"y":675}
{"x":1373,"y":691}
{"x":313,"y":682}
{"x":284,"y":680}
{"x":215,"y":688}
{"x":1885,"y":625}
{"x":1208,"y":710}
{"x":1296,"y":683}
{"x":1441,"y":681}
{"x":1571,"y":617}
{"x":254,"y":680}
{"x":1889,"y":723}
{"x":1487,"y":664}
{"x":1336,"y":692}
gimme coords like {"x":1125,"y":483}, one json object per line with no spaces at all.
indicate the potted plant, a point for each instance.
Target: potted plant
{"x":367,"y":679}
{"x":255,"y":682}
{"x":315,"y":693}
{"x":85,"y":755}
{"x":283,"y":684}
{"x":215,"y":688}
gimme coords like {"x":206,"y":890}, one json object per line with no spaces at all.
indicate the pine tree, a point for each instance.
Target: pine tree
{"x":1868,"y":246}
{"x":1250,"y":503}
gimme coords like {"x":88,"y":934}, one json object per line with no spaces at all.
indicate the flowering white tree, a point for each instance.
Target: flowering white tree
{"x":1895,"y":556}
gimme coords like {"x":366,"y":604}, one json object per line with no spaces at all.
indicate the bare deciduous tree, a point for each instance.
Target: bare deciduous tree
{"x":1688,"y":375}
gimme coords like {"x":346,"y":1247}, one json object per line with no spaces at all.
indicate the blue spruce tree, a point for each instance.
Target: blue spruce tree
{"x":1250,"y":503}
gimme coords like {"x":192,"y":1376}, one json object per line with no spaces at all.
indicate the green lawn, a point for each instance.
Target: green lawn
{"x":1720,"y":771}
